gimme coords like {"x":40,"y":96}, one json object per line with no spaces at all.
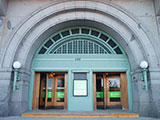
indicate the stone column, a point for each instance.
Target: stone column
{"x":18,"y":102}
{"x":141,"y":98}
{"x":155,"y":90}
{"x":5,"y":73}
{"x":5,"y":76}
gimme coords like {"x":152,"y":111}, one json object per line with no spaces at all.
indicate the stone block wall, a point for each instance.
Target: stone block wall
{"x":145,"y":13}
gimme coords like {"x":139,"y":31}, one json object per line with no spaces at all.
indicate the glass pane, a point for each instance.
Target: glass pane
{"x":43,"y":86}
{"x":111,"y":43}
{"x":85,"y":47}
{"x":95,"y":33}
{"x":70,"y":47}
{"x":99,"y":83}
{"x":49,"y":43}
{"x":60,"y":99}
{"x":118,"y":51}
{"x":74,"y":47}
{"x":75,"y":31}
{"x":42,"y":51}
{"x":50,"y":91}
{"x":114,"y":90}
{"x":60,"y":96}
{"x":90,"y":47}
{"x":114,"y":84}
{"x":60,"y":89}
{"x":57,"y":37}
{"x":60,"y":83}
{"x":85,"y":31}
{"x":65,"y":33}
{"x":50,"y":83}
{"x":104,"y":37}
{"x":100,"y":89}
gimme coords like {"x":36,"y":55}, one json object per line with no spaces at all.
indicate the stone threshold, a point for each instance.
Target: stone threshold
{"x":64,"y":113}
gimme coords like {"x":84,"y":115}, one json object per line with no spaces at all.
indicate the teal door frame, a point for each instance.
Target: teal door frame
{"x":70,"y":83}
{"x":57,"y":54}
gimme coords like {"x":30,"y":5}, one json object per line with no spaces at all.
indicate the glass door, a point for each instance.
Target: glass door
{"x":113,"y":90}
{"x":42,"y":90}
{"x":49,"y":90}
{"x":108,"y":90}
{"x":52,"y":90}
{"x":46,"y":90}
{"x":100,"y":90}
{"x":59,"y":91}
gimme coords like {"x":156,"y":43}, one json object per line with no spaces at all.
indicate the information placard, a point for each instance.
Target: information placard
{"x":80,"y":88}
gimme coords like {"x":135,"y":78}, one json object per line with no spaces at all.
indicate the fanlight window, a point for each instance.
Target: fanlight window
{"x":80,"y":41}
{"x":80,"y":46}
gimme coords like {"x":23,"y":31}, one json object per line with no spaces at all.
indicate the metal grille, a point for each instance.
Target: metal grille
{"x":106,"y":44}
{"x":80,"y":76}
{"x":79,"y":46}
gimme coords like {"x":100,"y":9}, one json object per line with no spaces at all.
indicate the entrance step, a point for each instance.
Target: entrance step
{"x":63,"y":113}
{"x":78,"y":115}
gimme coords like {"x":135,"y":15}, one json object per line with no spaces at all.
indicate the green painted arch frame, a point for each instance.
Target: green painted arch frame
{"x":38,"y":64}
{"x":80,"y":34}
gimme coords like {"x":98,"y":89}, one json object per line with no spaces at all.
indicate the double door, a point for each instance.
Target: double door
{"x":110,"y":90}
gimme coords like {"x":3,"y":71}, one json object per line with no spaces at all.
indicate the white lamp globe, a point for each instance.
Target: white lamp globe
{"x":16,"y":65}
{"x":144,"y":64}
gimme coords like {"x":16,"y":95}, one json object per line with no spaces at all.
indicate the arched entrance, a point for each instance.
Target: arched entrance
{"x":33,"y":31}
{"x":80,"y":69}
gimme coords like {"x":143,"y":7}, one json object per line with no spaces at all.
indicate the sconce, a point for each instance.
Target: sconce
{"x":16,"y":66}
{"x":144,"y":66}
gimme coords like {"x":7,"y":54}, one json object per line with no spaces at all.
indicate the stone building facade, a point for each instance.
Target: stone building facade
{"x":26,"y":24}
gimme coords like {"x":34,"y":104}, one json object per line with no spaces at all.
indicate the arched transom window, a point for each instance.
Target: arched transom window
{"x":80,"y":41}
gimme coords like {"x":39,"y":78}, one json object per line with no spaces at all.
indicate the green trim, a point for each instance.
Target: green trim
{"x":80,"y":35}
{"x":31,"y":90}
{"x":129,"y":85}
{"x":99,"y":94}
{"x":81,"y":63}
{"x":60,"y":94}
{"x":115,"y":94}
{"x":49,"y":94}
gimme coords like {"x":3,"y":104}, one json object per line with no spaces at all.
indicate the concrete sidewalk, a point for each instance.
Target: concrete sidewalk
{"x":75,"y":118}
{"x":60,"y":112}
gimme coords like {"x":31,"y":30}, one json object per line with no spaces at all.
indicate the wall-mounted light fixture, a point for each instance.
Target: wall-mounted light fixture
{"x":144,"y":66}
{"x":16,"y":66}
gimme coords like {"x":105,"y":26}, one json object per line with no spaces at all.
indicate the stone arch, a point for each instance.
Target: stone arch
{"x":30,"y":34}
{"x":131,"y":32}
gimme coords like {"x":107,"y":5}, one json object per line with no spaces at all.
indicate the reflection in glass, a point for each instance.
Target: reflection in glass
{"x":100,"y":90}
{"x":50,"y":92}
{"x":114,"y":89}
{"x":60,"y":90}
{"x":114,"y":84}
{"x":43,"y":86}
